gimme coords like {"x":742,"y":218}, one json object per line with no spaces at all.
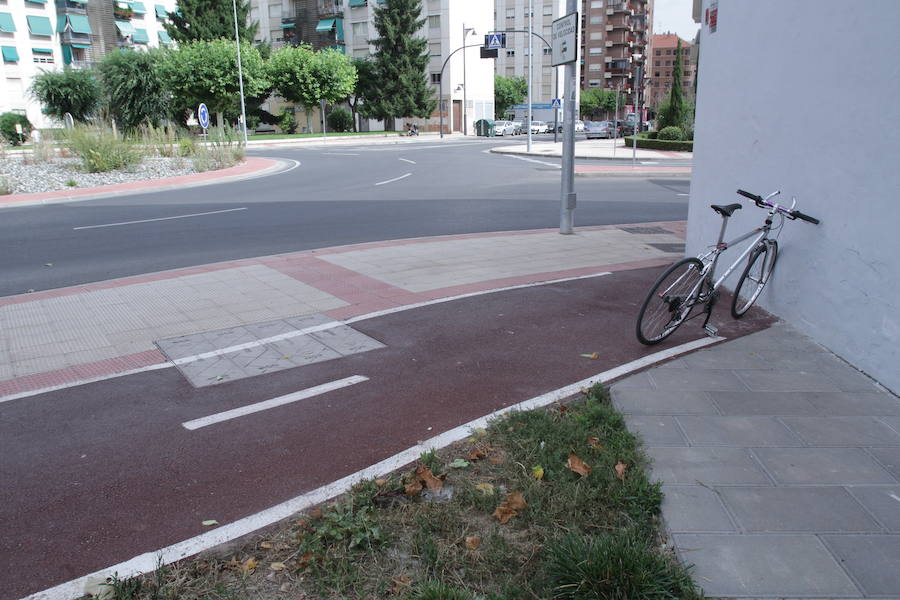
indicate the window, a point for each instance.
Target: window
{"x":656,"y":74}
{"x":510,"y":52}
{"x":275,"y":11}
{"x":434,"y":48}
{"x":360,"y":52}
{"x":547,"y":91}
{"x":434,"y":21}
{"x":668,"y":63}
{"x":547,"y":31}
{"x":435,"y":78}
{"x":547,"y":51}
{"x":687,"y":73}
{"x":659,"y":52}
{"x":360,"y":30}
{"x":596,"y":36}
{"x":669,"y":51}
{"x":596,"y":20}
{"x":42,"y":55}
{"x":593,"y":83}
{"x":510,"y":13}
{"x":548,"y":9}
{"x":596,"y":3}
{"x":668,"y":73}
{"x":596,"y":51}
{"x":595,"y":67}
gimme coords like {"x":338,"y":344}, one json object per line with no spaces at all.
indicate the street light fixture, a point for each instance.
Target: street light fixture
{"x":466,"y":31}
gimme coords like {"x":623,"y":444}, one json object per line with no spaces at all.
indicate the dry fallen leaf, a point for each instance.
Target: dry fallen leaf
{"x":248,"y":566}
{"x":209,"y":523}
{"x":476,"y":453}
{"x":504,"y":513}
{"x":472,"y":542}
{"x":579,"y":466}
{"x":304,"y":560}
{"x":277,"y":566}
{"x":620,"y":470}
{"x":496,"y":459}
{"x":380,"y":482}
{"x":399,"y":584}
{"x":485,"y":488}
{"x":537,"y":472}
{"x":316,"y":514}
{"x":516,"y":501}
{"x":413,"y":488}
{"x":266,"y":545}
{"x":425,"y":475}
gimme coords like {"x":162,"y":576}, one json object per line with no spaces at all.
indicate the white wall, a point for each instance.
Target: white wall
{"x":802,"y":96}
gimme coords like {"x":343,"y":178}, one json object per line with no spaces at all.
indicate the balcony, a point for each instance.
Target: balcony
{"x":70,"y":37}
{"x":330,"y":8}
{"x":122,"y":10}
{"x":71,"y":8}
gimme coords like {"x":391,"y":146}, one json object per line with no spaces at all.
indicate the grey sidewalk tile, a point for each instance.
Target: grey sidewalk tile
{"x":854,"y":403}
{"x":872,"y":560}
{"x":659,"y":402}
{"x":640,"y":381}
{"x":694,"y":508}
{"x":269,"y":360}
{"x":655,"y":430}
{"x":303,"y":350}
{"x":268,"y":329}
{"x":882,"y":501}
{"x":709,"y":466}
{"x":889,"y":458}
{"x":713,"y":380}
{"x":846,"y":377}
{"x":210,"y":371}
{"x":39,"y":365}
{"x":843,"y":431}
{"x":737,"y":431}
{"x":243,"y":358}
{"x":797,"y":509}
{"x":723,"y":357}
{"x":822,"y":466}
{"x":786,"y":381}
{"x":892,"y":422}
{"x":346,"y":340}
{"x":310,"y":320}
{"x":763,"y":566}
{"x":225,"y":338}
{"x":778,"y":338}
{"x":763,"y":403}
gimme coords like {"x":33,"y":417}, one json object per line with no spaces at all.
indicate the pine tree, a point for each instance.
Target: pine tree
{"x":676,"y":109}
{"x":210,"y":20}
{"x":401,"y":63}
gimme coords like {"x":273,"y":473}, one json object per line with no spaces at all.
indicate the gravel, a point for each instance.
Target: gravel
{"x":27,"y":177}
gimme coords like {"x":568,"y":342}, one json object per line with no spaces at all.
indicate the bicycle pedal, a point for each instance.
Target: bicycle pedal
{"x":711,"y":330}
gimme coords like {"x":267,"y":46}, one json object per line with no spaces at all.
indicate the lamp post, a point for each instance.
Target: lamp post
{"x":441,"y":82}
{"x":466,"y":31}
{"x":530,"y":66}
{"x":639,"y":68}
{"x":237,"y":43}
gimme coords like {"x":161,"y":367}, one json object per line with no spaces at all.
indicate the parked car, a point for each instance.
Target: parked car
{"x":520,"y":127}
{"x":504,"y":128}
{"x":579,"y":127}
{"x":599,"y":129}
{"x":539,"y":127}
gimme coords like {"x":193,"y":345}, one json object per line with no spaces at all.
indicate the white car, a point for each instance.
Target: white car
{"x":504,"y":128}
{"x":539,"y":127}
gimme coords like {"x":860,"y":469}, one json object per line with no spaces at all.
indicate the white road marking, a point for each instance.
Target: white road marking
{"x":540,"y":162}
{"x":682,"y":194}
{"x":267,"y":404}
{"x":203,"y":214}
{"x":412,"y":162}
{"x":648,"y":162}
{"x":895,"y":497}
{"x":149,"y":561}
{"x":394,"y":179}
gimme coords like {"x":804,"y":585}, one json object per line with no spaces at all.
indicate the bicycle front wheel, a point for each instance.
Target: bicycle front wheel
{"x":670,"y":301}
{"x":754,"y":278}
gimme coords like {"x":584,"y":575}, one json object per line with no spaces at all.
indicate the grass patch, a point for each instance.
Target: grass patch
{"x":549,"y":503}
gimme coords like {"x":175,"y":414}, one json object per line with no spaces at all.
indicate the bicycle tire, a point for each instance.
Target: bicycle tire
{"x":685,"y":279}
{"x":754,"y":278}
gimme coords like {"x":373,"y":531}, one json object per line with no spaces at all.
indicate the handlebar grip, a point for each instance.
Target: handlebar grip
{"x":753,"y":197}
{"x":799,"y":215}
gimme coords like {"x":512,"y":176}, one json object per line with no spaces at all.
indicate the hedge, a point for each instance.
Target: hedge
{"x":648,"y":144}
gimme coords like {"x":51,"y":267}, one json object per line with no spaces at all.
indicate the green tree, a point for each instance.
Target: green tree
{"x":508,"y":91}
{"x":72,"y":91}
{"x":595,"y":101}
{"x":209,"y":20}
{"x":8,"y":122}
{"x":367,"y":84}
{"x":401,"y":63}
{"x":340,"y":120}
{"x":674,"y":113}
{"x":206,"y":71}
{"x":133,"y":89}
{"x":304,"y":77}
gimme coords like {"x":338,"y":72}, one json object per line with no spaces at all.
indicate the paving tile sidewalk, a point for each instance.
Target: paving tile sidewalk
{"x":780,"y":464}
{"x":63,"y":336}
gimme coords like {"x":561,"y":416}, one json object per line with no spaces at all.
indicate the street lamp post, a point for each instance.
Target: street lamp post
{"x":637,"y":100}
{"x":237,"y":43}
{"x":441,"y":81}
{"x":466,"y":31}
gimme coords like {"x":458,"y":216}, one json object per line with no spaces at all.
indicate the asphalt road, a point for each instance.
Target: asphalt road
{"x":336,"y":195}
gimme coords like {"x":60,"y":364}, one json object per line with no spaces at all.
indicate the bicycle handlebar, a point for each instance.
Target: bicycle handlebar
{"x":791,"y":214}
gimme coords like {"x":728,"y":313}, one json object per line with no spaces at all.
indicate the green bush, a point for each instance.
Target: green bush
{"x":8,"y":127}
{"x":340,"y":119}
{"x":658,"y":144}
{"x":670,"y":133}
{"x":652,"y":135}
{"x":287,"y":122}
{"x":101,"y":150}
{"x":186,"y":146}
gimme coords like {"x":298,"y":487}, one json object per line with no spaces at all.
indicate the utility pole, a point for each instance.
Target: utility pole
{"x":530,"y":65}
{"x":567,"y":194}
{"x":237,"y":42}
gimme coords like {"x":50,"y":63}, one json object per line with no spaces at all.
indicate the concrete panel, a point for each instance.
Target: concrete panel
{"x":872,"y":560}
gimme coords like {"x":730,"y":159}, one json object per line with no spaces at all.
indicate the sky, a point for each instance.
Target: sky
{"x":674,"y":16}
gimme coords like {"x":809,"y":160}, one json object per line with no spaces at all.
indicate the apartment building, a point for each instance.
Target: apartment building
{"x":466,"y":86}
{"x":661,"y":68}
{"x":42,"y":35}
{"x":616,"y":36}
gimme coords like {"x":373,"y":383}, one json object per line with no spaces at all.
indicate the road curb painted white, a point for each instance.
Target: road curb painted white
{"x":149,"y":561}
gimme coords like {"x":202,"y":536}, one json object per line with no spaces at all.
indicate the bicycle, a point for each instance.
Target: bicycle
{"x":689,"y":282}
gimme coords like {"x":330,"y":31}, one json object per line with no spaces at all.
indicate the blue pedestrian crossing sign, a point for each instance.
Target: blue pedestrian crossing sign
{"x":556,"y":103}
{"x":495,"y":40}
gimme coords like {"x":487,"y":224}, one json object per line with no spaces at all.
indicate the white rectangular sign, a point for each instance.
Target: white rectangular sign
{"x":564,"y":40}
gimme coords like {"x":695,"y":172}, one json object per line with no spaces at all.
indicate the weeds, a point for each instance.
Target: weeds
{"x":101,"y":150}
{"x":71,"y":183}
{"x":6,"y":185}
{"x":223,"y":149}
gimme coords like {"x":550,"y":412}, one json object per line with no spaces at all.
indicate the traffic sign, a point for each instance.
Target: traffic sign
{"x":564,"y":40}
{"x":556,"y":103}
{"x":495,"y":40}
{"x":203,"y":116}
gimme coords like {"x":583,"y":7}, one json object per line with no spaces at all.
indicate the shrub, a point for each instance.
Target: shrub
{"x":340,"y":119}
{"x":186,"y":146}
{"x":287,"y":122}
{"x":670,"y":133}
{"x":101,"y":150}
{"x":6,"y":185}
{"x":657,"y":144}
{"x":8,"y":127}
{"x":652,"y":135}
{"x":224,"y":149}
{"x":73,"y":91}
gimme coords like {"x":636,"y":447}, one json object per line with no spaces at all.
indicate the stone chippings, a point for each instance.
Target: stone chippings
{"x":28,"y":177}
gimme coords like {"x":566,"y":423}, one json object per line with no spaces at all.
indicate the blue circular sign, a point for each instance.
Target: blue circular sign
{"x":203,"y":115}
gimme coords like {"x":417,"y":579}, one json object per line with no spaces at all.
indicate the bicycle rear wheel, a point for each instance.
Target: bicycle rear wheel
{"x":754,"y":278}
{"x":670,"y":301}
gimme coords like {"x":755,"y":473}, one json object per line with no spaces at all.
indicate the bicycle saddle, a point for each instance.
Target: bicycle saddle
{"x":725,"y":210}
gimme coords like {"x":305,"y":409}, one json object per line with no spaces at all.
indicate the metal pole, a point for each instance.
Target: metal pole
{"x":465,"y":112}
{"x":556,"y":112}
{"x":637,"y":93}
{"x":441,"y":100}
{"x":567,"y":195}
{"x":530,"y":65}
{"x":616,"y":121}
{"x":237,"y":43}
{"x":322,"y":110}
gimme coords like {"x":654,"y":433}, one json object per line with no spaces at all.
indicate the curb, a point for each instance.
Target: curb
{"x":250,"y":168}
{"x":635,"y":172}
{"x":554,"y":154}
